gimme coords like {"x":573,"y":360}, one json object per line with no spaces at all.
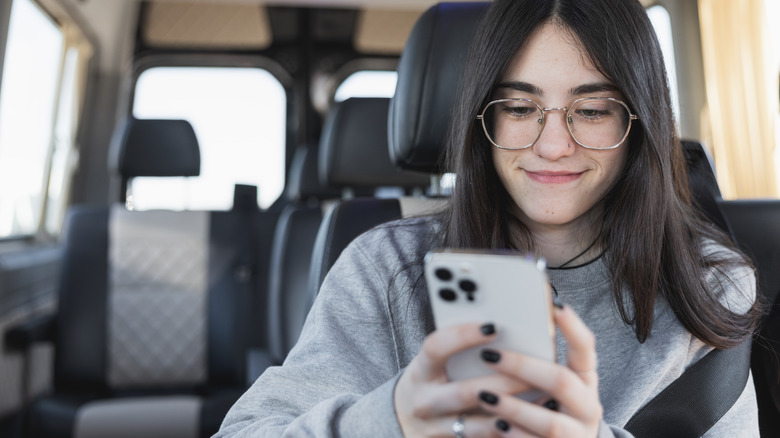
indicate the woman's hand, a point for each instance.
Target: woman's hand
{"x":428,"y":404}
{"x":574,"y":388}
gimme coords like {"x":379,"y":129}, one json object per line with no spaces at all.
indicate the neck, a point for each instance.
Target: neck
{"x":567,"y":250}
{"x":567,"y":244}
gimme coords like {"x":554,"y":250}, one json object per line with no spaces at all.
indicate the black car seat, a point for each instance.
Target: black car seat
{"x":755,"y":224}
{"x":288,"y":297}
{"x":351,"y":162}
{"x":428,"y":75}
{"x":354,"y":153}
{"x":153,"y":322}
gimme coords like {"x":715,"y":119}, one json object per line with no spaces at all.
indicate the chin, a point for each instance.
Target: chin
{"x":548,"y":218}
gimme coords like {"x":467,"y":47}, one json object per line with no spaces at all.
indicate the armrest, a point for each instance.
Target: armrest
{"x":37,"y":329}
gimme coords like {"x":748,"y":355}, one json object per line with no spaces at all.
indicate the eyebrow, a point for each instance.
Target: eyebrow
{"x":594,"y":87}
{"x":524,"y":87}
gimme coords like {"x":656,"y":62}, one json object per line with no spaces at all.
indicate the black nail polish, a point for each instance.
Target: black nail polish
{"x":488,"y":329}
{"x":502,"y":425}
{"x":488,"y":397}
{"x":552,"y":405}
{"x":557,"y":302}
{"x":491,"y":356}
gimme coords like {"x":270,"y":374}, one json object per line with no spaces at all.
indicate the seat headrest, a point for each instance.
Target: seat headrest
{"x":428,"y":77}
{"x":304,"y":180}
{"x":354,"y":151}
{"x":149,"y":147}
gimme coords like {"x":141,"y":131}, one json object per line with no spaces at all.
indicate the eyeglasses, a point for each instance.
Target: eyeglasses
{"x":594,"y":122}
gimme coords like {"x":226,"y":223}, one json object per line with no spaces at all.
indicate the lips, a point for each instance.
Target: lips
{"x":553,"y":177}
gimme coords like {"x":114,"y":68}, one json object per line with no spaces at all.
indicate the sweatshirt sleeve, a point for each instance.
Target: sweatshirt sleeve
{"x":339,"y":378}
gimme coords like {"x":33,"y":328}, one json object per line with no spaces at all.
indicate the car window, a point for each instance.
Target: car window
{"x":238,"y":114}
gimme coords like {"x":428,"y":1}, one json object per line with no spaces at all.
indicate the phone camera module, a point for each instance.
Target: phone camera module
{"x":467,"y":286}
{"x":448,"y":294}
{"x":443,"y":274}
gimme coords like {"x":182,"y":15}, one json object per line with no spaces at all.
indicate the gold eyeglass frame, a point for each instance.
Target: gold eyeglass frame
{"x":544,"y":111}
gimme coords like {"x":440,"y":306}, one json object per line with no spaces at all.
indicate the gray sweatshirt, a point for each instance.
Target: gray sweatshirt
{"x":372,"y":314}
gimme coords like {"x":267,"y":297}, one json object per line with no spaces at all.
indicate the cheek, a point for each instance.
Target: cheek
{"x":615,"y":168}
{"x":504,"y":163}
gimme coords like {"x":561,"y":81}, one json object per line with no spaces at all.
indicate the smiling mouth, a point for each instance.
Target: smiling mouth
{"x":553,"y":177}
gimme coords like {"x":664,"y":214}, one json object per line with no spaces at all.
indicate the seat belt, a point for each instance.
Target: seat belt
{"x":696,"y":400}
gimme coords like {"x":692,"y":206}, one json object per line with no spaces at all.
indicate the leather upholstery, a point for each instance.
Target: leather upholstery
{"x":235,"y":273}
{"x":353,"y":148}
{"x":288,"y":291}
{"x":428,"y":77}
{"x":80,"y":337}
{"x":756,"y":227}
{"x":341,"y":225}
{"x":303,"y":180}
{"x":157,"y":148}
{"x":352,"y":154}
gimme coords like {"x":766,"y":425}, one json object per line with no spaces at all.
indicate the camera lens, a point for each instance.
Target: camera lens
{"x":447,"y":294}
{"x":443,"y":274}
{"x":467,"y":286}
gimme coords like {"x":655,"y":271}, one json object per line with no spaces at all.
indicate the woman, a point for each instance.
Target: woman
{"x":564,"y":145}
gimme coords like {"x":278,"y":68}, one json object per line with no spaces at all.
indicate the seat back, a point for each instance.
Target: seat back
{"x":354,"y":154}
{"x":429,"y":72}
{"x":351,"y":160}
{"x":429,"y":75}
{"x":288,"y":290}
{"x":755,"y":224}
{"x":154,"y":302}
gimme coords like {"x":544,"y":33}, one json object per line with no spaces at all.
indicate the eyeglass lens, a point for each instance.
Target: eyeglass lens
{"x":595,"y":123}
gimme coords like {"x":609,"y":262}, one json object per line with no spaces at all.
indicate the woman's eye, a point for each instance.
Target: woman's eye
{"x":591,"y":113}
{"x":519,"y":111}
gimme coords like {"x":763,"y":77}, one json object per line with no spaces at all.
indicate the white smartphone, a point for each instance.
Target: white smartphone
{"x":507,"y":289}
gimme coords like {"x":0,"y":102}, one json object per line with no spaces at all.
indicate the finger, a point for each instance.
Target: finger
{"x":498,"y":383}
{"x":531,"y":419}
{"x":474,"y":425}
{"x":458,"y":397}
{"x":558,"y":381}
{"x":443,"y":343}
{"x":581,"y":353}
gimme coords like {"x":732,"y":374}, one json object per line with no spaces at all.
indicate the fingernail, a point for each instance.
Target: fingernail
{"x":488,"y":329}
{"x":491,"y":356}
{"x":502,"y":425}
{"x":557,"y":302}
{"x":551,"y":404}
{"x":488,"y":397}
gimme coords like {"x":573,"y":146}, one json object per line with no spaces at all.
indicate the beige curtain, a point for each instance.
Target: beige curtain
{"x":740,"y":123}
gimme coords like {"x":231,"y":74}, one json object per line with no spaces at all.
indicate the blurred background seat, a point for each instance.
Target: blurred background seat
{"x":162,"y":349}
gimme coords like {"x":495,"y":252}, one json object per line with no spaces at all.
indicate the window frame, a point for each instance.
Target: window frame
{"x":210,"y":60}
{"x":73,"y":37}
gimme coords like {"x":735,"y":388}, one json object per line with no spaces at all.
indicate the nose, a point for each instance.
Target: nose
{"x":555,"y":141}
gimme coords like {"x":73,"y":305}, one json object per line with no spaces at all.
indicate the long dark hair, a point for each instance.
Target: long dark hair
{"x":653,"y":234}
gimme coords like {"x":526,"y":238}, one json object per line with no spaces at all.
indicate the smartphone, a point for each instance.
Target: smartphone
{"x":508,"y":289}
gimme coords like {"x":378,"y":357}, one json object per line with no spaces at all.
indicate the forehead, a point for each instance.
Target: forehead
{"x":554,"y":61}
